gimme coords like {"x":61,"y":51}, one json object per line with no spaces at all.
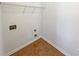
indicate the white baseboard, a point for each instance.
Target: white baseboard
{"x":15,"y":50}
{"x":61,"y":50}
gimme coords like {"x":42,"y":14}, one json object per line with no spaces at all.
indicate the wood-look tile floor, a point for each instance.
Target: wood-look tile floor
{"x":38,"y":48}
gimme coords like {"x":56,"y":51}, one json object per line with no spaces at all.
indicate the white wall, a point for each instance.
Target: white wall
{"x":1,"y":40}
{"x":26,"y":21}
{"x":61,"y":25}
{"x":49,"y":21}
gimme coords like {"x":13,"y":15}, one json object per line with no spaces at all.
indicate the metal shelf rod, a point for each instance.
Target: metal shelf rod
{"x":21,"y":5}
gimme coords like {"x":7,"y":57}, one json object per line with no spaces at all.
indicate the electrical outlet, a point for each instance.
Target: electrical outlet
{"x":35,"y":35}
{"x":35,"y":30}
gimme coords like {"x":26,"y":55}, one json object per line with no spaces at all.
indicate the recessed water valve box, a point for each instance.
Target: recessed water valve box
{"x":12,"y":27}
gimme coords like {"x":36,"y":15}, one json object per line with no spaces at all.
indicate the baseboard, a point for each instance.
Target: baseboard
{"x":15,"y":50}
{"x":61,"y":50}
